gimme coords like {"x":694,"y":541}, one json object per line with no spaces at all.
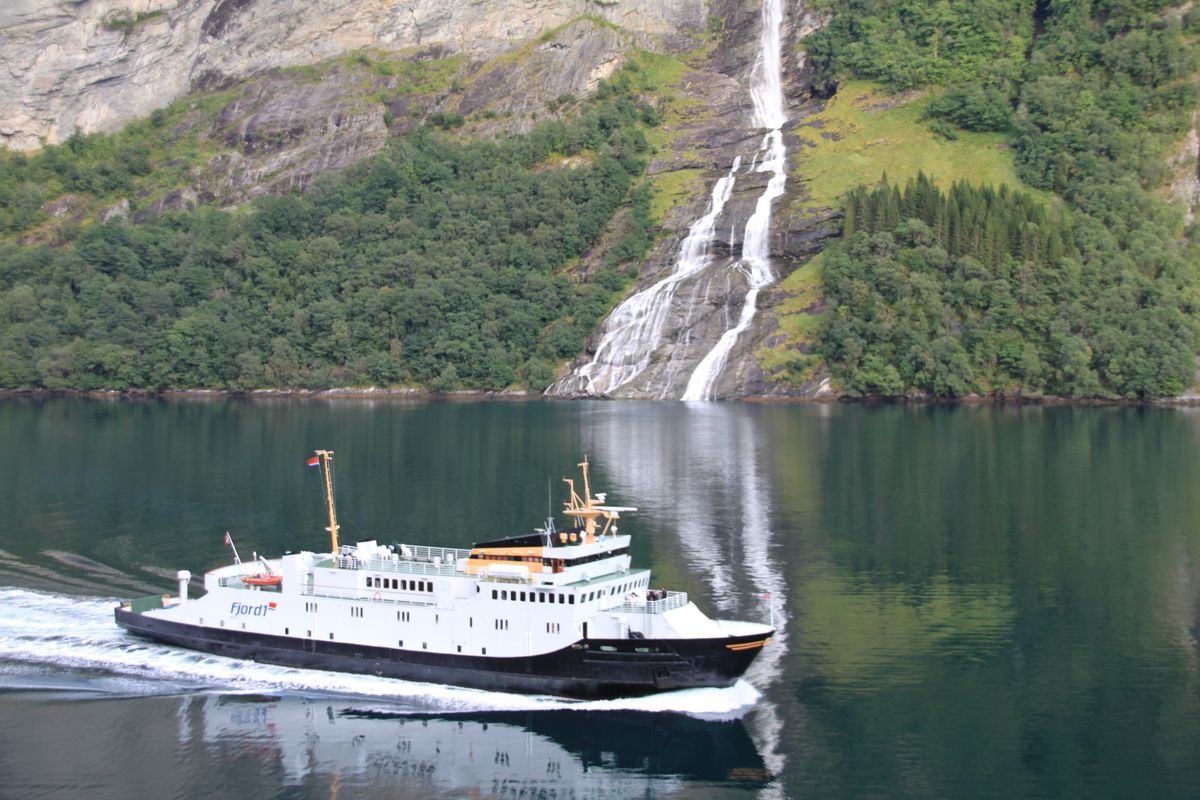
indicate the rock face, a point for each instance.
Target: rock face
{"x":280,"y":129}
{"x":91,"y":65}
{"x":1184,"y":163}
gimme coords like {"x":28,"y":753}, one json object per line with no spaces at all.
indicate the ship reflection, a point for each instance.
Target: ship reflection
{"x":508,"y":753}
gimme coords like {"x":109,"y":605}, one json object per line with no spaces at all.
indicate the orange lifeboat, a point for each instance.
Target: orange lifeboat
{"x":267,"y":579}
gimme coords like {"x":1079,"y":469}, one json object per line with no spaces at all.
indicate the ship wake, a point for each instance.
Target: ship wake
{"x":64,"y":643}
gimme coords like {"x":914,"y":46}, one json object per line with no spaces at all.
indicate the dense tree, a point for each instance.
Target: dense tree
{"x":436,"y":263}
{"x":982,"y":290}
{"x":979,"y":290}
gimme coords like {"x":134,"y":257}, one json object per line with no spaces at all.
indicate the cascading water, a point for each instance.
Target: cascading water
{"x":636,"y":326}
{"x":651,"y":327}
{"x":766,"y":92}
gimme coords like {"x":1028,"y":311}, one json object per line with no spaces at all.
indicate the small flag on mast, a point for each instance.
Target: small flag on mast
{"x":229,"y":543}
{"x":314,"y":461}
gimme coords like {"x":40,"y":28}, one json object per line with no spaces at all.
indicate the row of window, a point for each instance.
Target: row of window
{"x":533,"y":597}
{"x":548,"y":597}
{"x":403,"y":584}
{"x":625,"y":587}
{"x":552,"y":562}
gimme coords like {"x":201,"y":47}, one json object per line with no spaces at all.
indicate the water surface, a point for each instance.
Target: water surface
{"x":984,"y":602}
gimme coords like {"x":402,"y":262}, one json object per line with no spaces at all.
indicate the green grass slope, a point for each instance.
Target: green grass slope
{"x":1078,"y":107}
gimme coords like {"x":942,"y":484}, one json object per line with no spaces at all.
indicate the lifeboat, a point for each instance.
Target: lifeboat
{"x":262,"y":579}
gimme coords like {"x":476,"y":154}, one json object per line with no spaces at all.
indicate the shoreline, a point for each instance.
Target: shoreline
{"x":425,"y":395}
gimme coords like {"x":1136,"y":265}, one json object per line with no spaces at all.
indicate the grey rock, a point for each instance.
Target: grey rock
{"x":65,"y":67}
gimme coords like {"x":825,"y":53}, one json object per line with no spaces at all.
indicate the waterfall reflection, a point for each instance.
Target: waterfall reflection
{"x":699,"y":475}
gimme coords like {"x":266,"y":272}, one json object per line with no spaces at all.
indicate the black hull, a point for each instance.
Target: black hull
{"x":591,"y":669}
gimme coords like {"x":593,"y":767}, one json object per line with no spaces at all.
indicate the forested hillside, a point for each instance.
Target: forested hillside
{"x":438,"y":263}
{"x":1092,"y":293}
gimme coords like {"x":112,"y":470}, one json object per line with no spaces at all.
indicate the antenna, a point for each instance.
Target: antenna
{"x":549,"y":513}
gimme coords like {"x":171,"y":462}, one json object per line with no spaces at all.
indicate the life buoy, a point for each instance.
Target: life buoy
{"x":376,"y":596}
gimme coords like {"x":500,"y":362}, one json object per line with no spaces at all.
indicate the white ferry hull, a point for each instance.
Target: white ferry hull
{"x":589,"y":669}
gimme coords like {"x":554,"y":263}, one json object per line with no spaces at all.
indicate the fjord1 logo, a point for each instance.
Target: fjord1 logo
{"x":244,"y":610}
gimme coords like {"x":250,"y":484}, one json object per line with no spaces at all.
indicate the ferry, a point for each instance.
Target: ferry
{"x":549,"y":612}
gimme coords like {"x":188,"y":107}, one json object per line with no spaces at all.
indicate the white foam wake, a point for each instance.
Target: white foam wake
{"x":41,"y":632}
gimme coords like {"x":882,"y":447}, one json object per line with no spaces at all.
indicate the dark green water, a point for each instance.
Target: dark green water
{"x":973,"y":602}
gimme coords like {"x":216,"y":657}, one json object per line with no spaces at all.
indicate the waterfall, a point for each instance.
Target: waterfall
{"x":634,"y":329}
{"x":766,"y":93}
{"x":637,"y":330}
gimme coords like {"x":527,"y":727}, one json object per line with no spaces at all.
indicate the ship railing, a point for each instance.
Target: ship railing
{"x":420,"y":552}
{"x":364,"y":596}
{"x":422,"y":561}
{"x":232,"y":581}
{"x":665,"y":602}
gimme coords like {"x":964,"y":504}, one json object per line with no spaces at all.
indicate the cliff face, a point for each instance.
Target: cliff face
{"x":91,"y":65}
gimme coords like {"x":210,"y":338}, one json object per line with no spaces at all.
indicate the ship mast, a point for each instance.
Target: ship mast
{"x":326,"y":457}
{"x":583,"y":508}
